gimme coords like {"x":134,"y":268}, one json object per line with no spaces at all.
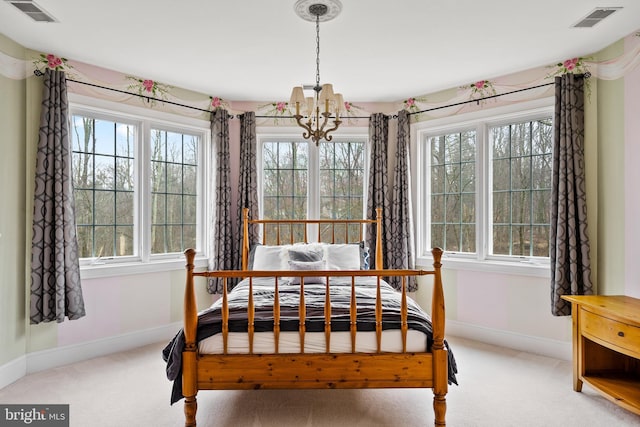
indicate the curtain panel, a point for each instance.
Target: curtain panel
{"x":400,"y":243}
{"x":569,"y":249}
{"x":247,"y":183}
{"x":56,"y":290}
{"x":379,"y":185}
{"x":222,"y":247}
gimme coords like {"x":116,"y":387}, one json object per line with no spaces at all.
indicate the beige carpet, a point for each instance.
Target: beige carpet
{"x":498,"y":387}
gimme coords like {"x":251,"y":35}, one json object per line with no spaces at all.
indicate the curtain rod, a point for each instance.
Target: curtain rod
{"x":150,"y":98}
{"x":480,"y":99}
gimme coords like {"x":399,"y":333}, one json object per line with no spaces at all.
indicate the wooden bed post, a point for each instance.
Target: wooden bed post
{"x":440,"y":356}
{"x":379,"y":262}
{"x":189,"y":356}
{"x":245,"y":238}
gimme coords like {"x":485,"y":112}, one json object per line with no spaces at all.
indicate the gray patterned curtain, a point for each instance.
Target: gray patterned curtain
{"x":56,"y":291}
{"x":248,"y":182}
{"x":569,"y":243}
{"x":222,"y":239}
{"x":400,"y":241}
{"x":379,"y":184}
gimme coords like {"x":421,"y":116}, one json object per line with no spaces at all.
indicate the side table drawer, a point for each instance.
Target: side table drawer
{"x":617,"y":333}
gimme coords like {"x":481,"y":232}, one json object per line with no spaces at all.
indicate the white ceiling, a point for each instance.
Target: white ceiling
{"x":373,"y":51}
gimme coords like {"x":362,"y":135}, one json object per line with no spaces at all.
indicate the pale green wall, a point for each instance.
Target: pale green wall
{"x":12,"y":215}
{"x":610,"y":201}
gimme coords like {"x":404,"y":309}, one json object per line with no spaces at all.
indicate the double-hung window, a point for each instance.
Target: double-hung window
{"x":485,"y":187}
{"x":138,"y":184}
{"x":301,"y":180}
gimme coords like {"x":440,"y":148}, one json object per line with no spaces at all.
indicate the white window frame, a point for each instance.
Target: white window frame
{"x":294,"y":134}
{"x":479,"y":121}
{"x":144,"y":120}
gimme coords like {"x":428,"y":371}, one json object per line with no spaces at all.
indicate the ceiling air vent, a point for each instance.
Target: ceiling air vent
{"x":34,"y":11}
{"x":595,"y":16}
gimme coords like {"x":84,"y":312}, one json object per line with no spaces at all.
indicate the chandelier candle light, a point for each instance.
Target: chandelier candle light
{"x":324,"y":99}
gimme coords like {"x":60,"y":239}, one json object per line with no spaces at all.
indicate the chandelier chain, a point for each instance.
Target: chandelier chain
{"x":317,"y":88}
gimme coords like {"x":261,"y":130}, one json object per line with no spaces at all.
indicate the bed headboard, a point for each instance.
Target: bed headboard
{"x":290,"y":231}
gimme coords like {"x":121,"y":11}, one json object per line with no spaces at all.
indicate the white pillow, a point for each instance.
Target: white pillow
{"x":308,"y":265}
{"x":271,"y":257}
{"x":342,"y":256}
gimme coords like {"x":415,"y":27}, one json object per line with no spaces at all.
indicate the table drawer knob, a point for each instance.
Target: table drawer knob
{"x":621,"y":334}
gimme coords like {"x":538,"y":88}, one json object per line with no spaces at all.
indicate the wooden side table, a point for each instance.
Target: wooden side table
{"x":606,"y":347}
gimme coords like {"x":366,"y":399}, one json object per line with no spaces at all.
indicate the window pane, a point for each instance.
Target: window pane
{"x":174,"y":171}
{"x":520,"y":173}
{"x":453,"y":193}
{"x":103,"y":244}
{"x":124,"y":241}
{"x":85,"y":241}
{"x":437,"y":235}
{"x":541,"y":240}
{"x":174,"y":147}
{"x":124,"y":174}
{"x":437,"y":179}
{"x":452,"y":208}
{"x":158,"y":177}
{"x":500,"y":141}
{"x":452,"y":237}
{"x":452,"y":183}
{"x":84,"y":207}
{"x":502,"y":207}
{"x":124,"y":208}
{"x":125,"y":140}
{"x":158,"y":208}
{"x":104,"y":207}
{"x":174,"y":178}
{"x":105,"y":137}
{"x":452,"y":148}
{"x":341,"y":172}
{"x":437,"y":208}
{"x":521,"y":187}
{"x":468,"y":238}
{"x":190,"y":206}
{"x":103,"y":180}
{"x":104,"y":172}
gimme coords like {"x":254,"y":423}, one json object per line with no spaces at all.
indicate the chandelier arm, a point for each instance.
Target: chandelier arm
{"x":306,"y":126}
{"x":336,"y":124}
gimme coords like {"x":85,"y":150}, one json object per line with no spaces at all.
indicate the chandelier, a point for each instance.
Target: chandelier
{"x":317,"y":110}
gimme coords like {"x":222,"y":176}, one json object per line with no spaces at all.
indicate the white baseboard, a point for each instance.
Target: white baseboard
{"x":531,"y":344}
{"x":51,"y":358}
{"x":13,"y":371}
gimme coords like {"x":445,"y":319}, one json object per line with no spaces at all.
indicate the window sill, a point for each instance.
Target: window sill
{"x":130,"y":268}
{"x":518,"y":268}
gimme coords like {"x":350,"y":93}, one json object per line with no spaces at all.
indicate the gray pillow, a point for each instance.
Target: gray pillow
{"x":305,"y":255}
